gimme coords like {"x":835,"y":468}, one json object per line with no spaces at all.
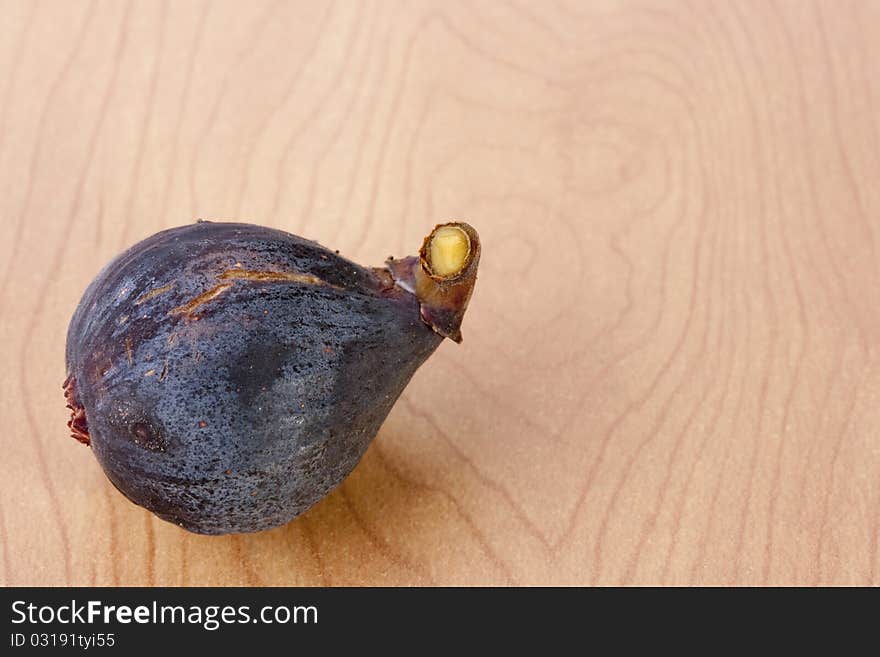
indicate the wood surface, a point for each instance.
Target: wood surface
{"x":669,"y":372}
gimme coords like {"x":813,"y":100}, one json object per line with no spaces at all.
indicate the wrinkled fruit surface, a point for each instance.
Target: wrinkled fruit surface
{"x":228,"y":376}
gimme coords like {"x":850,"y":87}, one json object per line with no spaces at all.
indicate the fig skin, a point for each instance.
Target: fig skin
{"x":228,"y":376}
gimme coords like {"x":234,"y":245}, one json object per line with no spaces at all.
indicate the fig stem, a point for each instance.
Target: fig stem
{"x":442,"y":277}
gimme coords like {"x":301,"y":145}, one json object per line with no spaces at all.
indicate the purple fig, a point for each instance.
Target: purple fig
{"x":228,"y":376}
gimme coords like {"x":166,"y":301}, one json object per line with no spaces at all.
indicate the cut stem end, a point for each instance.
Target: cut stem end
{"x":442,"y":277}
{"x":448,"y":249}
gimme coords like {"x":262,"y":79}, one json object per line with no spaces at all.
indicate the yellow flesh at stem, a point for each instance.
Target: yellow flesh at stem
{"x":450,"y":247}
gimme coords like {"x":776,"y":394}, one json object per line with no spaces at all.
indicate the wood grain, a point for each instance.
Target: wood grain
{"x":670,"y":367}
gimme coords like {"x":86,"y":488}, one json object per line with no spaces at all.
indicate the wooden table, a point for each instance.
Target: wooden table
{"x":670,"y":367}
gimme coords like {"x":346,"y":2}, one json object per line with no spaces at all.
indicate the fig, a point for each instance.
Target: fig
{"x":227,"y":376}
